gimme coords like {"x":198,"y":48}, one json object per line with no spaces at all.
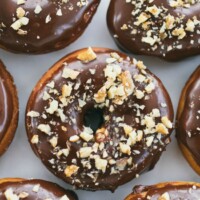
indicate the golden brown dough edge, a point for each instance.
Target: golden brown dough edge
{"x":11,"y":180}
{"x":135,"y":195}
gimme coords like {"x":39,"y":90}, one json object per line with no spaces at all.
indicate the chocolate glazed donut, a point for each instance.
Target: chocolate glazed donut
{"x":16,"y":188}
{"x":30,"y":26}
{"x":9,"y":108}
{"x":166,"y":191}
{"x":188,"y":120}
{"x":97,"y":119}
{"x":168,"y":29}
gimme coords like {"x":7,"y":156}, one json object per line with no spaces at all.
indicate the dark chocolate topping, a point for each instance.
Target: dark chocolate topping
{"x":168,"y":191}
{"x":157,"y":28}
{"x":42,"y":26}
{"x":6,"y":102}
{"x":188,"y":127}
{"x":133,"y":102}
{"x":34,"y":189}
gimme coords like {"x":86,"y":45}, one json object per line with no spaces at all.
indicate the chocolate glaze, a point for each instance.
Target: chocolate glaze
{"x":6,"y":101}
{"x":144,"y":161}
{"x":5,"y":109}
{"x":178,"y":190}
{"x":44,"y":37}
{"x":46,"y":190}
{"x":189,"y":119}
{"x":119,"y":13}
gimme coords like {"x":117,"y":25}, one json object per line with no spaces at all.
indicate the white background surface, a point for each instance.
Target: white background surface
{"x":20,"y":161}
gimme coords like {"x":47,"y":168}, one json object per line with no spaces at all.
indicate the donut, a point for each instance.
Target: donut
{"x":9,"y":108}
{"x":17,"y":188}
{"x":188,"y":118}
{"x":166,"y":191}
{"x":168,"y":29}
{"x":36,"y":27}
{"x":98,"y":118}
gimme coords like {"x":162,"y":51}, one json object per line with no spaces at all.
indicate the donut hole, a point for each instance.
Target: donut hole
{"x":94,"y":118}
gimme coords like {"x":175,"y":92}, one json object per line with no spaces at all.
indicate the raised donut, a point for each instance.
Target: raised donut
{"x":164,"y":28}
{"x":30,"y":26}
{"x":99,"y":118}
{"x":188,"y":120}
{"x":166,"y":191}
{"x":9,"y":108}
{"x":17,"y":188}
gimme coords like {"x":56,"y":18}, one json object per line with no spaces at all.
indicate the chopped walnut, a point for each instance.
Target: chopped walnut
{"x":161,"y":128}
{"x":164,"y":196}
{"x":70,"y":73}
{"x":87,"y":55}
{"x":101,"y":135}
{"x":100,"y":96}
{"x":71,"y":170}
{"x":101,"y":164}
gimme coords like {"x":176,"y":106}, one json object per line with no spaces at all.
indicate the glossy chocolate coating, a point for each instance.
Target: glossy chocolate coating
{"x":6,"y":101}
{"x":120,"y":13}
{"x":44,"y":37}
{"x":143,"y":161}
{"x":178,"y":190}
{"x":46,"y":190}
{"x":5,"y":108}
{"x":188,"y":132}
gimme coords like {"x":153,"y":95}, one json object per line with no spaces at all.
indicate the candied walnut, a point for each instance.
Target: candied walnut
{"x":101,"y":164}
{"x":87,"y":56}
{"x":20,"y":2}
{"x":179,"y":32}
{"x":38,"y":9}
{"x":10,"y":195}
{"x":127,"y":82}
{"x":36,"y":188}
{"x":54,"y":141}
{"x":101,"y":95}
{"x":70,"y":73}
{"x":23,"y":195}
{"x":124,"y":148}
{"x":101,"y":135}
{"x":35,"y":139}
{"x":66,"y":90}
{"x":164,"y":196}
{"x":74,"y":138}
{"x":154,"y":10}
{"x":85,"y":152}
{"x":170,"y":22}
{"x":20,"y":12}
{"x":19,"y":23}
{"x":45,"y":128}
{"x":190,"y":26}
{"x":141,"y":65}
{"x":166,"y":122}
{"x":121,"y":163}
{"x":161,"y":128}
{"x":142,"y":18}
{"x":127,"y":129}
{"x":64,"y":197}
{"x":33,"y":114}
{"x":70,"y":170}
